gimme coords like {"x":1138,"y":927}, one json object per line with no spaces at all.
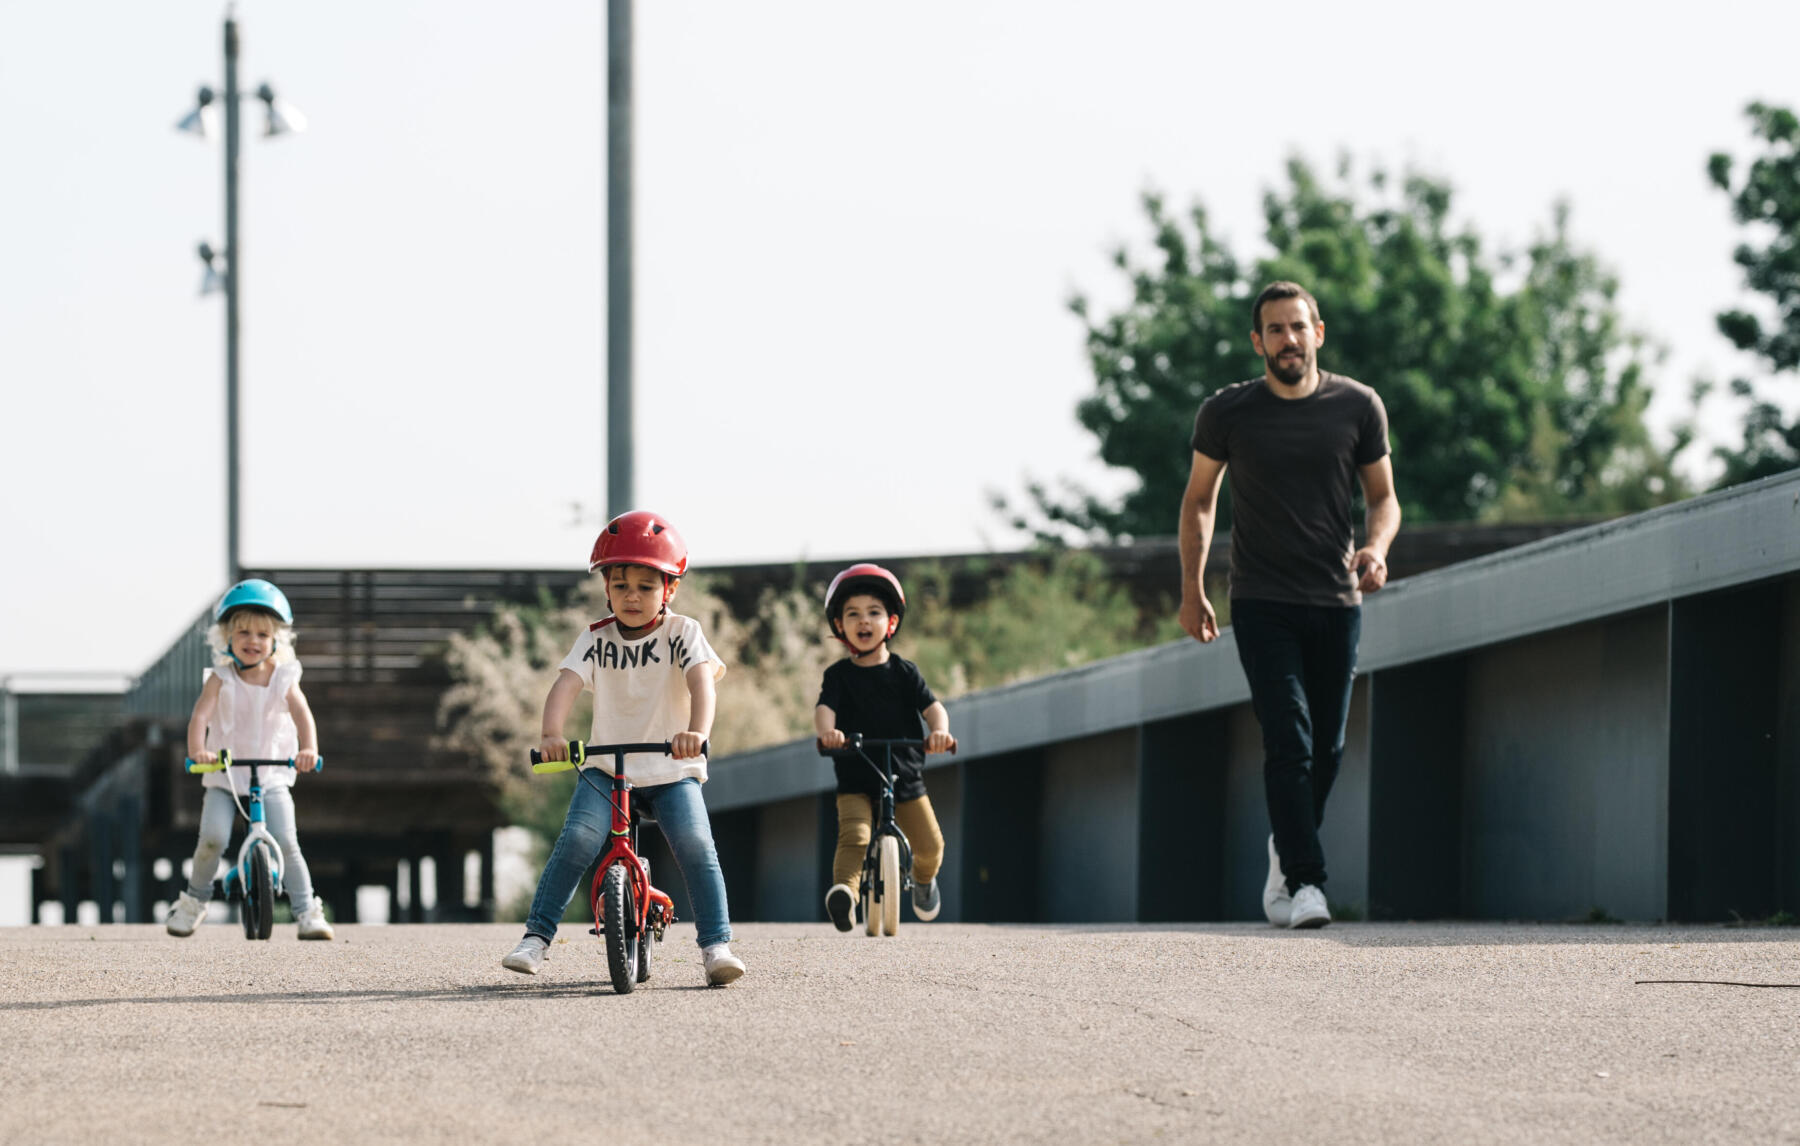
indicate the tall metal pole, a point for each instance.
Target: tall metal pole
{"x":233,"y":263}
{"x":619,"y":496}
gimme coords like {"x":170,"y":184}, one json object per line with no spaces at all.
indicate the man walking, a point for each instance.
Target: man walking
{"x":1297,"y":440}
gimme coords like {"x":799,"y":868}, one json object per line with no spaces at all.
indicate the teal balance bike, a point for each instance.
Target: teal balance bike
{"x":257,"y":872}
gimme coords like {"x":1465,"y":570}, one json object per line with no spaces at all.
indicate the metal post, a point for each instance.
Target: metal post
{"x":233,"y":263}
{"x":619,"y":496}
{"x":9,"y":740}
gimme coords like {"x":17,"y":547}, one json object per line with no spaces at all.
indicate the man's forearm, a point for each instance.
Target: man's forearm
{"x":1381,"y":523}
{"x":1195,"y":544}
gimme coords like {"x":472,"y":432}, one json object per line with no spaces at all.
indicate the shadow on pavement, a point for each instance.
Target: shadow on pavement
{"x":470,"y":992}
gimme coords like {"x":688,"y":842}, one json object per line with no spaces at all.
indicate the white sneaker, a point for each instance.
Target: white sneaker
{"x":1278,"y":905}
{"x":1309,"y":909}
{"x":840,"y":904}
{"x":312,"y":922}
{"x":185,"y":915}
{"x":722,"y":966}
{"x":528,"y":956}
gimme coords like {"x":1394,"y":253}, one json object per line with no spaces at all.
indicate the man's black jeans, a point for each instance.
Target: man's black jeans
{"x":1300,"y":661}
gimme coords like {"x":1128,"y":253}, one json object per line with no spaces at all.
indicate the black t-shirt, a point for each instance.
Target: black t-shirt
{"x":1293,"y":472}
{"x":883,"y":701}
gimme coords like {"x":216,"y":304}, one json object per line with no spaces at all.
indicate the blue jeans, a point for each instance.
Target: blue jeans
{"x":1300,"y":661}
{"x":680,"y":811}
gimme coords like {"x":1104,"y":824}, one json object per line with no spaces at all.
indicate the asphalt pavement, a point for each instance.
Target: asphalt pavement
{"x":1358,"y":1033}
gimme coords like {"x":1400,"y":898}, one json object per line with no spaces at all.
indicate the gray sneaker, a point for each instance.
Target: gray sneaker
{"x":528,"y":956}
{"x":1278,"y":905}
{"x":926,"y":901}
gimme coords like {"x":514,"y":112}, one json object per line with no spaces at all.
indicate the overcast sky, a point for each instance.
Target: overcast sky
{"x":858,"y":228}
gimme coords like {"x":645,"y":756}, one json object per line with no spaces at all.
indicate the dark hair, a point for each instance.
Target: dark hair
{"x":1279,"y":290}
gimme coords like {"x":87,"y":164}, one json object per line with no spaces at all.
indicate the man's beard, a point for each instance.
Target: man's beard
{"x":1292,"y":370}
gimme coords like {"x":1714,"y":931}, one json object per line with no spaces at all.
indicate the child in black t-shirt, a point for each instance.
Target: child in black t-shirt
{"x":879,"y":695}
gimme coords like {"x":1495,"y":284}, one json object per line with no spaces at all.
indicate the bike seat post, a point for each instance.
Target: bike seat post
{"x":621,"y":790}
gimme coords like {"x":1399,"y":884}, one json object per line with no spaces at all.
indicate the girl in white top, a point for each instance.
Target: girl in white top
{"x":652,"y":675}
{"x":251,"y":705}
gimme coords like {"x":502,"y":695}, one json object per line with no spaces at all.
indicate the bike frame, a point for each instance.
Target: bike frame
{"x":258,"y":830}
{"x":621,"y":841}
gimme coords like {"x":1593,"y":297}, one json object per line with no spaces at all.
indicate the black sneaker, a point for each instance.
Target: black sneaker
{"x":926,"y":901}
{"x":840,"y":904}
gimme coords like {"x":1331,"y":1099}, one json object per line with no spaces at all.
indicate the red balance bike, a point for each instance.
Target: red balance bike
{"x":628,"y":912}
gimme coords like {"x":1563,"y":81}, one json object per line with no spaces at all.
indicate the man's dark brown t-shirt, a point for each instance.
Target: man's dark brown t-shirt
{"x":1293,"y":470}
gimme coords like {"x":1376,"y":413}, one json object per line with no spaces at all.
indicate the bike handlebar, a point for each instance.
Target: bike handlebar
{"x":580,"y":751}
{"x":856,"y":740}
{"x":225,"y":761}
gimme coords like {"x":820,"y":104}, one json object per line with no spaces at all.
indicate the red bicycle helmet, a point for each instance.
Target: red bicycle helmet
{"x":865,"y":577}
{"x":641,"y":538}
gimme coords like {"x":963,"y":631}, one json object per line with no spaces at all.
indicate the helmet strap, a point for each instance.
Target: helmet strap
{"x":240,"y":664}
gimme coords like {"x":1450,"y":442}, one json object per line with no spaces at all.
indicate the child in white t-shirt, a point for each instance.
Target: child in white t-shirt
{"x":251,"y":704}
{"x":652,"y":674}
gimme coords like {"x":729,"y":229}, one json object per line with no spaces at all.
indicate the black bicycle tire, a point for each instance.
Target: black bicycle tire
{"x":262,"y":886}
{"x":621,"y":944}
{"x":871,"y":877}
{"x":644,"y":943}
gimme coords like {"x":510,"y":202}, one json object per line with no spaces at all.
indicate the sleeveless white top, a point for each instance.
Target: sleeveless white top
{"x":254,"y":724}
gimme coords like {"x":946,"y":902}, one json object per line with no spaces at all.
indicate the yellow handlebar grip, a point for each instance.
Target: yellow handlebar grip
{"x":219,"y":765}
{"x":545,"y":766}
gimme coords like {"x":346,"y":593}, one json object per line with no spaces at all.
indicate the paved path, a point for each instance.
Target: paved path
{"x":952,"y":1033}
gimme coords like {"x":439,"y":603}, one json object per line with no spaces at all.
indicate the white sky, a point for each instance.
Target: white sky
{"x":857,"y":229}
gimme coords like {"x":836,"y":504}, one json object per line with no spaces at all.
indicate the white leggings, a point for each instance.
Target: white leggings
{"x":218,"y":814}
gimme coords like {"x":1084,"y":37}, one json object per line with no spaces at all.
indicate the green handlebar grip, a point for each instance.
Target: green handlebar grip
{"x":577,"y":756}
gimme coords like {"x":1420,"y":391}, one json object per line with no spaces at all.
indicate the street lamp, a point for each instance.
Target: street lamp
{"x":225,"y":269}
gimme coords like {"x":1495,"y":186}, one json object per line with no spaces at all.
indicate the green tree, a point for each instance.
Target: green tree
{"x":1767,"y":201}
{"x":1503,"y":400}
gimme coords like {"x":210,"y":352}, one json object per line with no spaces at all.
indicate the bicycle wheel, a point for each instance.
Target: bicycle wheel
{"x":620,"y":922}
{"x":871,"y":906}
{"x":241,"y":888}
{"x":644,"y":943}
{"x":259,"y":900}
{"x":890,"y":885}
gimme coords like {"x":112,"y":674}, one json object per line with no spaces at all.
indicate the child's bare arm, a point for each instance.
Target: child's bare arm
{"x":937,"y":719}
{"x":825,"y":724}
{"x":203,"y":712}
{"x":551,"y":744}
{"x":702,"y":699}
{"x":306,"y":759}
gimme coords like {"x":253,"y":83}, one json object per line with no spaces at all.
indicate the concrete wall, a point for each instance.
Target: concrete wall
{"x":1565,"y":770}
{"x":1088,"y":845}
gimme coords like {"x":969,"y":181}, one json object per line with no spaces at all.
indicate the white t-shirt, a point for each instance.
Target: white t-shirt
{"x":640,"y":692}
{"x":253,"y":722}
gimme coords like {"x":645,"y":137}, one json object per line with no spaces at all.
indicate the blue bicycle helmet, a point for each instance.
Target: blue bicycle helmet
{"x":255,"y":594}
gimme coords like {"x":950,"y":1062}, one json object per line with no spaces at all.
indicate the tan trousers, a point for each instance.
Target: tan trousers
{"x":856,"y":823}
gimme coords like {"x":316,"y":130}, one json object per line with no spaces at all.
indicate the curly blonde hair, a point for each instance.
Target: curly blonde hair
{"x":218,"y":638}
